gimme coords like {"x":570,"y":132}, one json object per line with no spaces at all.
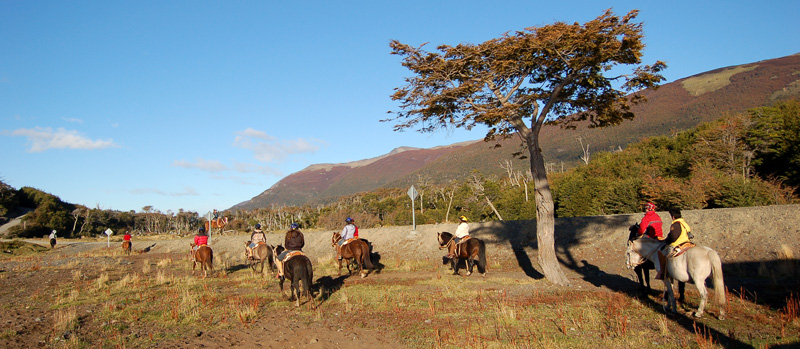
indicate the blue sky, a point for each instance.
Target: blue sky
{"x":198,"y":105}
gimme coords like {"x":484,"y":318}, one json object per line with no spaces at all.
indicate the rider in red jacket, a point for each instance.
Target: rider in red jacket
{"x":651,"y":223}
{"x":201,"y":238}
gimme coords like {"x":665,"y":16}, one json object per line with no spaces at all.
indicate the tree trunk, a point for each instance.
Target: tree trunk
{"x":545,"y":216}
{"x":493,"y":209}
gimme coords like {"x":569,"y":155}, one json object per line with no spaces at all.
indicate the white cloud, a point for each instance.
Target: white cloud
{"x":201,"y":164}
{"x":44,"y":138}
{"x":187,"y":191}
{"x":267,"y":148}
{"x":253,"y":168}
{"x":75,"y":120}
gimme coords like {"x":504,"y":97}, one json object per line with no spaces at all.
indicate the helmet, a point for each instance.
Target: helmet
{"x":349,"y":220}
{"x":463,"y":219}
{"x":295,"y":226}
{"x":649,"y":206}
{"x":201,"y":230}
{"x":258,"y":226}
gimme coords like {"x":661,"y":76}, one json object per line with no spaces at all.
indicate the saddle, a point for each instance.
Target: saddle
{"x":349,"y":241}
{"x":463,"y":240}
{"x":292,"y":254}
{"x":680,"y":249}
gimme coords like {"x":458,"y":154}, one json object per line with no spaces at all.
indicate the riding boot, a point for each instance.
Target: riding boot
{"x":280,"y":269}
{"x":662,"y":261}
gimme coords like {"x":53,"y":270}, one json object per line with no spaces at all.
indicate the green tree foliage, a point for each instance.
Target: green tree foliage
{"x":9,"y":202}
{"x":775,"y":137}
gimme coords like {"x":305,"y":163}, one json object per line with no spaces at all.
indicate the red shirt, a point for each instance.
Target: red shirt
{"x":201,"y":240}
{"x":127,"y":237}
{"x":651,"y":225}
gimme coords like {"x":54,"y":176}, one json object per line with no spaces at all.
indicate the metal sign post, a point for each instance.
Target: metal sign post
{"x":108,"y":233}
{"x":412,"y":193}
{"x":208,"y":217}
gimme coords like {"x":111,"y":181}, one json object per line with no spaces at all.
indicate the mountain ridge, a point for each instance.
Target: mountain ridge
{"x":673,"y":107}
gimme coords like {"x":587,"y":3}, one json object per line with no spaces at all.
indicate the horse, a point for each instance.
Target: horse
{"x":261,"y":253}
{"x":296,"y":269}
{"x":644,"y":266}
{"x":203,"y":256}
{"x":126,"y":247}
{"x":216,"y":223}
{"x":356,"y":250}
{"x":694,"y":265}
{"x":52,"y":243}
{"x":469,"y":250}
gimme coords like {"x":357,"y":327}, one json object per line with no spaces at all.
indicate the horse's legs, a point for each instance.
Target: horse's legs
{"x":455,"y":261}
{"x":470,"y":264}
{"x":681,"y":291}
{"x":701,"y":288}
{"x":670,"y":306}
{"x":340,"y":267}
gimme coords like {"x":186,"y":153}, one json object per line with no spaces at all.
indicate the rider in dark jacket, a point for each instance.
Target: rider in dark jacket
{"x":293,"y":241}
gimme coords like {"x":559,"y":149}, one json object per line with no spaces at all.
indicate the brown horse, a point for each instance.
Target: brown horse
{"x":297,"y":269}
{"x":52,"y":243}
{"x":261,"y":253}
{"x":217,"y":223}
{"x":126,"y":247}
{"x":356,"y":250}
{"x":203,"y":256}
{"x":469,"y":250}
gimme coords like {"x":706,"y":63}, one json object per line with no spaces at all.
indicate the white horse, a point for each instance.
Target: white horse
{"x":694,"y":265}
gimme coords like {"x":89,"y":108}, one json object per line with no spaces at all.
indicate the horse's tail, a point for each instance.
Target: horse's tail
{"x":308,"y":277}
{"x":366,"y":256}
{"x":210,"y":259}
{"x":716,"y":274}
{"x":481,"y":257}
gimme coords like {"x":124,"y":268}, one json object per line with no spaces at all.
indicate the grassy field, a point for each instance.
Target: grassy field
{"x":106,"y":299}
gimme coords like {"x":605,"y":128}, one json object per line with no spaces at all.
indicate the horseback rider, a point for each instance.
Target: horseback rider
{"x":293,"y":241}
{"x":349,"y":231}
{"x":462,"y":231}
{"x":127,"y":237}
{"x":256,"y":237}
{"x":651,"y":226}
{"x":200,"y":239}
{"x":651,"y":223}
{"x":53,"y":239}
{"x":679,"y":233}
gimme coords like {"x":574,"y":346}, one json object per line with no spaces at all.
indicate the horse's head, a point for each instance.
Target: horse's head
{"x":247,"y":243}
{"x":335,"y":238}
{"x":633,"y":232}
{"x":444,"y":237}
{"x":277,"y":250}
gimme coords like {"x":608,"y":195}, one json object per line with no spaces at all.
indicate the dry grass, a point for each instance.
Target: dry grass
{"x":705,"y":83}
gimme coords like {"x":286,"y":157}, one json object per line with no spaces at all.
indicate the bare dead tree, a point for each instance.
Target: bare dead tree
{"x":585,"y":157}
{"x":477,"y":188}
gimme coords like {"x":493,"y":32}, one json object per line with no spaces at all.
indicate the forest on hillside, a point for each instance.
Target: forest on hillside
{"x":742,"y":159}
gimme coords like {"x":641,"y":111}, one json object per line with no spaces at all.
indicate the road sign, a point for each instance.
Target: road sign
{"x":108,"y":233}
{"x":412,"y":193}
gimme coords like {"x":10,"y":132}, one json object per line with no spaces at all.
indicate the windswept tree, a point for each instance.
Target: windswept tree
{"x":559,"y":73}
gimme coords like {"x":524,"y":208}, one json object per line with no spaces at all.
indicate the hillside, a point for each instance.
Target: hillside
{"x":674,"y":107}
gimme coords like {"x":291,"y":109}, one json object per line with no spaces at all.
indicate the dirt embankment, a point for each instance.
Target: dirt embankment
{"x":738,"y":234}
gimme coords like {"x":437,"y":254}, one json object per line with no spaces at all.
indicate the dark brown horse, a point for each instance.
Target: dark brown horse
{"x":356,"y":250}
{"x":52,"y":243}
{"x":296,"y":269}
{"x":203,"y":256}
{"x":261,"y":253}
{"x":472,"y":250}
{"x":643,"y":269}
{"x":126,"y":247}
